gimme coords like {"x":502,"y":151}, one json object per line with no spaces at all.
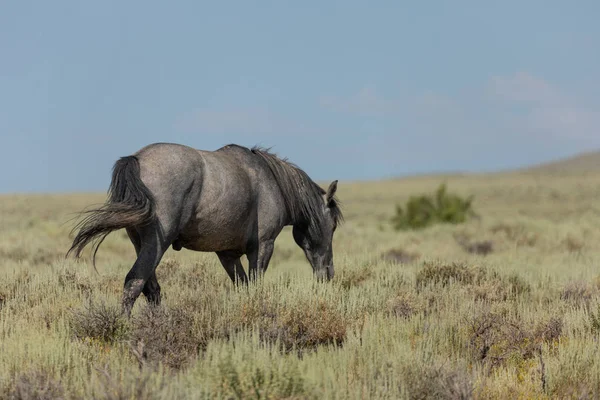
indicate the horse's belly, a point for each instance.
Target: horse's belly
{"x":212,"y":236}
{"x":210,"y":243}
{"x":224,"y":214}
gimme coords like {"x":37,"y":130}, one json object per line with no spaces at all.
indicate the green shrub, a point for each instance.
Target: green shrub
{"x":262,"y":382}
{"x":423,"y":211}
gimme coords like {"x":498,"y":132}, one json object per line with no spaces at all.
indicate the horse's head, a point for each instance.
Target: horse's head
{"x":317,"y":242}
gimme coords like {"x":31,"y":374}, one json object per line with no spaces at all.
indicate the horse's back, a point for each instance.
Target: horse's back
{"x":269,"y":202}
{"x":168,"y":167}
{"x":214,"y":197}
{"x":224,"y":207}
{"x":239,"y":203}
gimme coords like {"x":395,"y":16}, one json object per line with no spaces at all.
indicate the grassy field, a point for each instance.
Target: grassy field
{"x":433,"y":321}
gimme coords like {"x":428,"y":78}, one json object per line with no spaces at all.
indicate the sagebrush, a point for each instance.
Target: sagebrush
{"x":410,"y":314}
{"x":422,"y":211}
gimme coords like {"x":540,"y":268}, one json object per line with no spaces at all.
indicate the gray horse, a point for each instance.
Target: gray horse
{"x":233,"y":201}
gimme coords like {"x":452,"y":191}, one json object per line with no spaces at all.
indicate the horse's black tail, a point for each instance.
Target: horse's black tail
{"x":130,"y":204}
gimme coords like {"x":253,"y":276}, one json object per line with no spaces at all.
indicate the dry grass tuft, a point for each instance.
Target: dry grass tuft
{"x":484,"y":285}
{"x":400,"y":256}
{"x":3,"y":298}
{"x":387,"y":326}
{"x":593,"y":322}
{"x":573,"y":244}
{"x":435,"y":273}
{"x":71,"y":279}
{"x":498,"y":339}
{"x":480,"y":247}
{"x":35,"y":257}
{"x":405,"y":305}
{"x":549,"y":331}
{"x":516,"y":234}
{"x":578,"y":293}
{"x":34,"y":385}
{"x":355,"y":277}
{"x":305,"y":328}
{"x":132,"y":387}
{"x":437,"y":382}
{"x":167,"y":336}
{"x":263,"y":382}
{"x":99,"y":322}
{"x":301,"y":326}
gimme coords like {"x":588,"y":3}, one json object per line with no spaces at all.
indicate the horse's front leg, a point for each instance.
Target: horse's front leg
{"x":233,"y":266}
{"x":259,"y":258}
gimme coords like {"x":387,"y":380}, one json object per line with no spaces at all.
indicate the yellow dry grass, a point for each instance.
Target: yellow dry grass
{"x":521,"y":322}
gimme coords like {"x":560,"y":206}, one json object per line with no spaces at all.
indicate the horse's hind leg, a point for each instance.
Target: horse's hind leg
{"x":152,"y":248}
{"x":151,"y":289}
{"x":135,"y":239}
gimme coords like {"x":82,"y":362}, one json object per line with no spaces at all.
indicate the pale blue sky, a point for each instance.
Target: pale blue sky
{"x":345,"y":89}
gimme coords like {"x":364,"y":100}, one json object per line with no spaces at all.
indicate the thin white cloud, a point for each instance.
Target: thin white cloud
{"x":525,"y":88}
{"x":505,"y":121}
{"x":522,"y":104}
{"x":549,"y":110}
{"x":367,"y":102}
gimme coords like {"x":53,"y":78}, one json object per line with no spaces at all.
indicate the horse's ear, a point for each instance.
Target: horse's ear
{"x":331,"y":191}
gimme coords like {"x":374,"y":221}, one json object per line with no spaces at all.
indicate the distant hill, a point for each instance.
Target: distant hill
{"x":588,"y":162}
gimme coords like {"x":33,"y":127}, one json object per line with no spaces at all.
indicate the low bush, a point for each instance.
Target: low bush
{"x":99,"y":322}
{"x":443,"y":274}
{"x":517,"y":234}
{"x":484,"y":284}
{"x":135,"y":385}
{"x":36,"y":384}
{"x":423,"y":211}
{"x":497,"y":339}
{"x":262,"y":382}
{"x":578,"y":293}
{"x":166,"y":335}
{"x":400,"y":256}
{"x":437,"y":382}
{"x":405,"y":305}
{"x":594,"y":321}
{"x":355,"y":277}
{"x":302,"y":326}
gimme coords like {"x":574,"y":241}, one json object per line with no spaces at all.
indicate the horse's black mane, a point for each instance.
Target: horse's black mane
{"x":303,"y":197}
